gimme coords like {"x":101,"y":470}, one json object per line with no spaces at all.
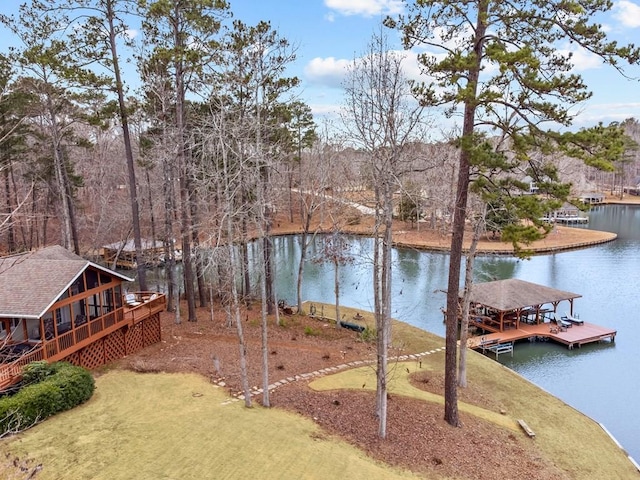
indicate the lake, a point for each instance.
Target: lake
{"x":601,"y":380}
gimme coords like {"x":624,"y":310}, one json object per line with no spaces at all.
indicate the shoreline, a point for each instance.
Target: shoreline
{"x":562,"y":238}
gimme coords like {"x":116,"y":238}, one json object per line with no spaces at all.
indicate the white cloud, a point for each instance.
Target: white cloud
{"x":325,"y":110}
{"x":606,"y":113}
{"x":326,"y":71}
{"x":582,"y":59}
{"x":131,"y":33}
{"x":366,"y":8}
{"x":627,"y":13}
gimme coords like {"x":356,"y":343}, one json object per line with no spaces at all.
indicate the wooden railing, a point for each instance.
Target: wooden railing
{"x":11,"y":371}
{"x":149,"y":304}
{"x":80,"y":336}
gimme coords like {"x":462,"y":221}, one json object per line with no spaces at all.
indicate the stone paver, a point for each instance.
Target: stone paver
{"x":323,"y":371}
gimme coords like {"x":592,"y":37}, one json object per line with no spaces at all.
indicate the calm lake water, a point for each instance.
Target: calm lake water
{"x":601,"y":380}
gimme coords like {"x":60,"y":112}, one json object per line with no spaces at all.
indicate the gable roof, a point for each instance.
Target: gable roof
{"x":511,"y":294}
{"x":31,"y":282}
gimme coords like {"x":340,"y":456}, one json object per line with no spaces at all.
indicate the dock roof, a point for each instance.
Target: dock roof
{"x":513,"y":294}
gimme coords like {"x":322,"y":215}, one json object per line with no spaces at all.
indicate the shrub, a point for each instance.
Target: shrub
{"x":36,"y":372}
{"x":311,"y":332}
{"x":369,"y":335}
{"x":52,"y":388}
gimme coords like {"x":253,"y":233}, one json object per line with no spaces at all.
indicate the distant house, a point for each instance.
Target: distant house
{"x":567,"y":214}
{"x":533,"y":187}
{"x":55,"y":305}
{"x":592,"y":198}
{"x":634,"y":189}
{"x":123,"y":255}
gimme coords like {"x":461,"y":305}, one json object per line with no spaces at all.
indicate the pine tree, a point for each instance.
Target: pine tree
{"x":500,"y":65}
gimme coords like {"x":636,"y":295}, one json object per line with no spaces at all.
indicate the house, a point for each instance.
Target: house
{"x":566,"y":214}
{"x":55,"y":305}
{"x":592,"y":198}
{"x":123,"y":255}
{"x":533,"y":187}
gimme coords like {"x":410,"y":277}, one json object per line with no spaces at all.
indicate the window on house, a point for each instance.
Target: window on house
{"x":92,"y":278}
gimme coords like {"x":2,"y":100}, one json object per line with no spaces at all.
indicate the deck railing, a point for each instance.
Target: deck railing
{"x":149,"y":303}
{"x":82,"y":335}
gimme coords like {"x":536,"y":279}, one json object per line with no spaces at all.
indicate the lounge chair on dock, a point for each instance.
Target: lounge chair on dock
{"x":571,"y":319}
{"x":562,"y":324}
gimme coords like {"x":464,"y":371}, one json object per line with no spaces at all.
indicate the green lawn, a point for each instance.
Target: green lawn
{"x":169,"y":426}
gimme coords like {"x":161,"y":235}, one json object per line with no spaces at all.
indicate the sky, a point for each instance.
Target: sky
{"x":329,"y":34}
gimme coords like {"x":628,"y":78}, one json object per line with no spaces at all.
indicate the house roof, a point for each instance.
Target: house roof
{"x":512,"y":294}
{"x":31,"y":282}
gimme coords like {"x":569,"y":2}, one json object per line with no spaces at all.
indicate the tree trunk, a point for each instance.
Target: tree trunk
{"x":184,"y":171}
{"x":11,"y":243}
{"x":202,"y":288}
{"x":265,"y":346}
{"x":336,"y":288}
{"x":303,"y":258}
{"x":459,"y":217}
{"x":169,"y":246}
{"x":124,"y":120}
{"x":244,"y":250}
{"x":464,"y":323}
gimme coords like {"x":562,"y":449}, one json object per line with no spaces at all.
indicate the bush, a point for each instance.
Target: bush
{"x":58,"y":387}
{"x":311,"y":332}
{"x":36,"y":372}
{"x":369,"y":335}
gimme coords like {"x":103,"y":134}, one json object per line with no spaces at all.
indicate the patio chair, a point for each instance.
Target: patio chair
{"x":562,"y":324}
{"x":131,"y":301}
{"x":572,"y":319}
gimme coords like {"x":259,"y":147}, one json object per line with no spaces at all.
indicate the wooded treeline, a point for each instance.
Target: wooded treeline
{"x":206,"y":144}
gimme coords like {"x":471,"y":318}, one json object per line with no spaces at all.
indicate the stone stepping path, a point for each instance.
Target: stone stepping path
{"x":324,"y":371}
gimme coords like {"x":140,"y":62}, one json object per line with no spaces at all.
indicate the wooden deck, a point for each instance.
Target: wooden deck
{"x":82,"y":337}
{"x":574,"y":336}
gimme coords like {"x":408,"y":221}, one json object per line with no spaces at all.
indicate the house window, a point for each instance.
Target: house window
{"x":92,"y":278}
{"x":107,"y":301}
{"x":63,"y":319}
{"x":79,"y":313}
{"x":118,"y":295}
{"x":17,"y":330}
{"x":94,"y":306}
{"x":77,"y":286}
{"x":33,"y":329}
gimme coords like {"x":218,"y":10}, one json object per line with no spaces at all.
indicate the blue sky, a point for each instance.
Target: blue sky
{"x":330,"y":33}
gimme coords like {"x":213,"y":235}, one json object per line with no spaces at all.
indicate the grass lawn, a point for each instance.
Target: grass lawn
{"x":177,"y":426}
{"x":564,"y":436}
{"x":180,"y":426}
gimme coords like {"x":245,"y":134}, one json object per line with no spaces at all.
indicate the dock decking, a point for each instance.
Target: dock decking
{"x":575,"y":336}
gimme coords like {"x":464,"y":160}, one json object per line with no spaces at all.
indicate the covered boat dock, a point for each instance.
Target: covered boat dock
{"x":509,"y":310}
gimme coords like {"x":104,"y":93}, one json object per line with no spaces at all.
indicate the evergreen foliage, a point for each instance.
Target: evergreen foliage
{"x":50,"y":389}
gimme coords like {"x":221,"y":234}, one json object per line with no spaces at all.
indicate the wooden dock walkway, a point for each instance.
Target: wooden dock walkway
{"x":574,"y":336}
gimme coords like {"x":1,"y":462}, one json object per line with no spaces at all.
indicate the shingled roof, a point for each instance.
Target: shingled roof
{"x":512,"y":294}
{"x":31,"y":282}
